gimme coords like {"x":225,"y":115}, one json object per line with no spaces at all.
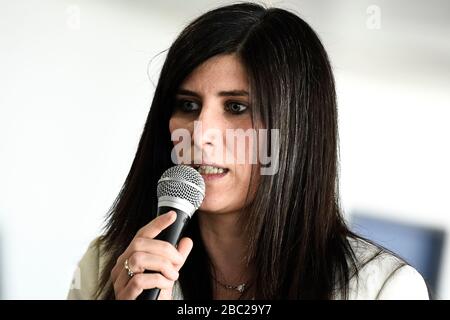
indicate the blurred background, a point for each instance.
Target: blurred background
{"x":77,"y":79}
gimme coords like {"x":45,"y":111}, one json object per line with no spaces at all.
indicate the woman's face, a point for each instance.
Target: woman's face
{"x":214,"y":100}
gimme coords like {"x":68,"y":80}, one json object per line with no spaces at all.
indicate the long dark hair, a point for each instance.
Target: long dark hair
{"x":299,"y":242}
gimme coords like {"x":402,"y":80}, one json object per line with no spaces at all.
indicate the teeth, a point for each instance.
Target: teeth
{"x":210,"y":170}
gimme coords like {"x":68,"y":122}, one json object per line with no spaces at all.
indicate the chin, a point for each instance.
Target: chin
{"x":214,"y":205}
{"x":210,"y":206}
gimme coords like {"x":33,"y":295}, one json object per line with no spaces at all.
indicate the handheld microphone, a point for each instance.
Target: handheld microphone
{"x":181,"y":189}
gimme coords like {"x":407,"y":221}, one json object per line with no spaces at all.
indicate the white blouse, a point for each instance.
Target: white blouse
{"x":379,"y":279}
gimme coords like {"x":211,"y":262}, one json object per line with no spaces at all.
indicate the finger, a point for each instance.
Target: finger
{"x":119,"y":266}
{"x":184,"y":248}
{"x":143,"y":281}
{"x":165,"y":294}
{"x":121,"y":281}
{"x":151,"y":229}
{"x":117,"y":269}
{"x":154,"y":227}
{"x":141,"y":261}
{"x":157,"y":247}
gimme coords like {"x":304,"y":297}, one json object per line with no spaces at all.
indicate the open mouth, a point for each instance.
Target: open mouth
{"x":210,"y":170}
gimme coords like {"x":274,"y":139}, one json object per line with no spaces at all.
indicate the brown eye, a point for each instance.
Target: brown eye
{"x":236,"y":108}
{"x":187,"y":106}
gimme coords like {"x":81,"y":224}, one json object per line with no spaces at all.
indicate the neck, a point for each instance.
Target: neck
{"x":226,"y":246}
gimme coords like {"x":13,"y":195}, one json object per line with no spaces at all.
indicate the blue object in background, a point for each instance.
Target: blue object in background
{"x":420,"y":246}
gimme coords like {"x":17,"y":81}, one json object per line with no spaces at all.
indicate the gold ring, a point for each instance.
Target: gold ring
{"x":127,"y":267}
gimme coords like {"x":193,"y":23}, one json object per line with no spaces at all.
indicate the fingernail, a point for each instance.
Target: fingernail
{"x":171,"y":214}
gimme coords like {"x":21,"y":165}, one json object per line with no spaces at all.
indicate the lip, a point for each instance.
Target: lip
{"x":197,"y":165}
{"x":211,"y":176}
{"x":214,"y":176}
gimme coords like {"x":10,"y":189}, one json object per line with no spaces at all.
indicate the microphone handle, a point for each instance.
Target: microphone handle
{"x":172,"y":235}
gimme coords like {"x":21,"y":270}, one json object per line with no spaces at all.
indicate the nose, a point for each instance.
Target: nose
{"x":209,"y":128}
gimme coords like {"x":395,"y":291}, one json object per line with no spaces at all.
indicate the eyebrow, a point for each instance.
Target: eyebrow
{"x":234,"y":93}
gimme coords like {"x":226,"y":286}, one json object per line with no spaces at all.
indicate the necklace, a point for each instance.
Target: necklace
{"x":239,"y":288}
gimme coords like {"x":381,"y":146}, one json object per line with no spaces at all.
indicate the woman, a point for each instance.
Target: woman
{"x":271,"y":236}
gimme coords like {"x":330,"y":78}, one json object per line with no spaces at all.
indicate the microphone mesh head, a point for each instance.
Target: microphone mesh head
{"x":183,"y":182}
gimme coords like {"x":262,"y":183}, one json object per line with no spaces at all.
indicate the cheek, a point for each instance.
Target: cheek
{"x":179,"y":123}
{"x":243,"y":174}
{"x":243,"y":150}
{"x":244,"y":187}
{"x":173,"y":125}
{"x":181,"y":140}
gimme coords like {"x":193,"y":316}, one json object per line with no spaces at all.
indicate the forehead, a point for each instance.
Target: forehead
{"x":221,"y":72}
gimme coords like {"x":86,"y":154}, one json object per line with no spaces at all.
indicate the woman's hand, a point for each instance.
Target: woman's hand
{"x":146,"y":253}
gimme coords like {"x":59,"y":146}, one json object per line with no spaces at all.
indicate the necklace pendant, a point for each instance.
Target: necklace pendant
{"x":241,"y":288}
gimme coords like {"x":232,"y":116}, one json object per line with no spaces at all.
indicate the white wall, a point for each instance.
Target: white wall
{"x":74,"y":98}
{"x":73,"y":104}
